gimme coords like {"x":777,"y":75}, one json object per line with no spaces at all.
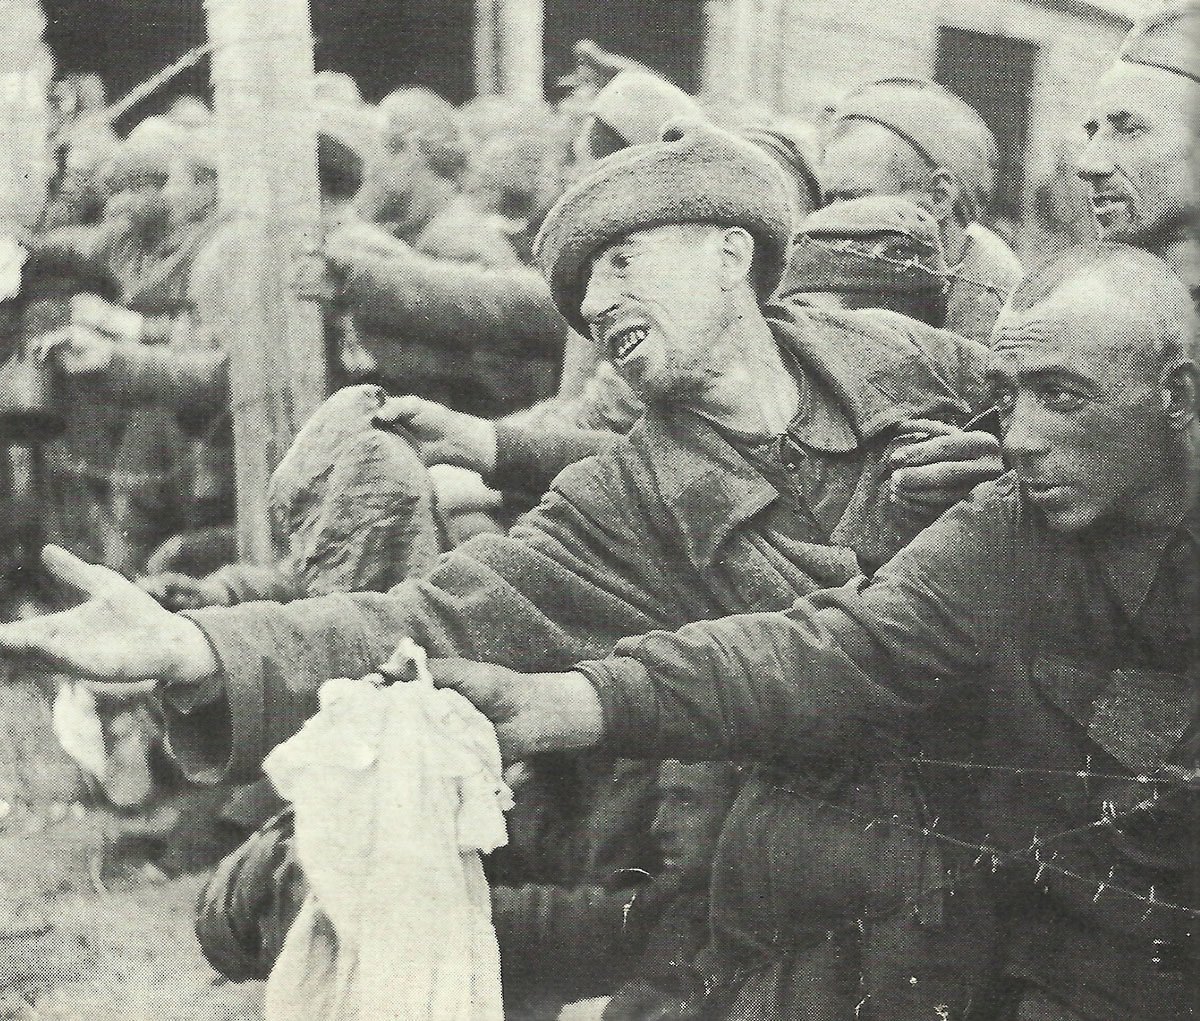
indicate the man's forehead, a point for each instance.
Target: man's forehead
{"x":1138,"y":89}
{"x":1083,"y":321}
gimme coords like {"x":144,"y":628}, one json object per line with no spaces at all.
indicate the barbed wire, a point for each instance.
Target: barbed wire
{"x":910,"y":265}
{"x":996,"y":857}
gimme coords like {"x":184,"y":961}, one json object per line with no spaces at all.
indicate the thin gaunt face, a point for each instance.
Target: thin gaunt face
{"x":1078,"y":384}
{"x":1140,"y":161}
{"x":658,"y":304}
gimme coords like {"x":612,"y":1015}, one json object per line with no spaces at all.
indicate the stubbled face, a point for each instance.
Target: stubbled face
{"x":659,"y":304}
{"x":862,"y":158}
{"x":1140,"y":162}
{"x":1078,"y":385}
{"x":693,"y":801}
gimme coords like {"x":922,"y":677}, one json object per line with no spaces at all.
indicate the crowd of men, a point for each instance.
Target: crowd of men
{"x":838,"y":611}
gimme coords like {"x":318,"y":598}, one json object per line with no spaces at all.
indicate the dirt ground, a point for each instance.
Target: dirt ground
{"x":70,"y":951}
{"x":79,"y":940}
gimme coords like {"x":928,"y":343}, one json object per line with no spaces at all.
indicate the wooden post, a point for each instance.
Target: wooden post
{"x":262,"y":73}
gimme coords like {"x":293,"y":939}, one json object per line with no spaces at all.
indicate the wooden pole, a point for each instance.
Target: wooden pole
{"x":262,"y":73}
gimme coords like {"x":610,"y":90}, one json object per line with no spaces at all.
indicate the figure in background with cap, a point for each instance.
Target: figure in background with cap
{"x":1141,"y":161}
{"x":879,"y":252}
{"x":913,"y":138}
{"x":751,"y":459}
{"x":413,"y":316}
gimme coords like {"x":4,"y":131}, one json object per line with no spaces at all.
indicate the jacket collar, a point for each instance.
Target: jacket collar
{"x":864,"y":376}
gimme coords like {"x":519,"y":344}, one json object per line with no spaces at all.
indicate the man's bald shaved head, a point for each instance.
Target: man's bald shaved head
{"x":1093,"y":373}
{"x":1141,"y":282}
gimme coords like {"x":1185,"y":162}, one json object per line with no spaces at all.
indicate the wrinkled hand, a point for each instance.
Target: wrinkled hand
{"x":531,"y":712}
{"x":114,"y":321}
{"x":935,"y":472}
{"x":78,"y":350}
{"x":176,"y":591}
{"x":442,"y":435}
{"x":119,"y":634}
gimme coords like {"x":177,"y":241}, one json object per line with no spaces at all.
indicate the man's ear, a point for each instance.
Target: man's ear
{"x":1180,"y":394}
{"x":737,"y":256}
{"x":945,"y":196}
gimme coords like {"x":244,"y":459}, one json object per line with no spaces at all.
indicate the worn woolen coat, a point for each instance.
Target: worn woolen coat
{"x":677,"y":522}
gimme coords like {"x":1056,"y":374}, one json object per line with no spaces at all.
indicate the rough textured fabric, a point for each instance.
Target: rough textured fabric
{"x":1089,"y":645}
{"x":600,"y":557}
{"x":673,"y":523}
{"x":696,"y":174}
{"x":396,"y":792}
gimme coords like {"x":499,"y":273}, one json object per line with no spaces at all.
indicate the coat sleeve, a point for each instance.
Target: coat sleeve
{"x":571,"y":578}
{"x":528,"y":460}
{"x":838,"y":670}
{"x":455,"y":305}
{"x":180,"y":378}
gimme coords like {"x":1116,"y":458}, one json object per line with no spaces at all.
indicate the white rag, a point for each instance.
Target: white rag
{"x":397,"y":791}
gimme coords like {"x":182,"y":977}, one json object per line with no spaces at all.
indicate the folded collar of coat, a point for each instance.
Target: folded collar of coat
{"x":865,"y":372}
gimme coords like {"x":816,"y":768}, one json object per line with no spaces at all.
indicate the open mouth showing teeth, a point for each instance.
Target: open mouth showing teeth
{"x":625,"y":342}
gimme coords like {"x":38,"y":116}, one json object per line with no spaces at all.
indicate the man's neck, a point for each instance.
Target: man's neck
{"x":1176,"y":499}
{"x":755,"y":393}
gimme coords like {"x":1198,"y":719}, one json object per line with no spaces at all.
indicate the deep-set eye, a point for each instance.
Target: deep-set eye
{"x":1062,"y":400}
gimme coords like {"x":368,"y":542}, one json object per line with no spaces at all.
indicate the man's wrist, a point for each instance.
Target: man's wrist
{"x":577,"y":719}
{"x":192,"y":659}
{"x":481,"y":445}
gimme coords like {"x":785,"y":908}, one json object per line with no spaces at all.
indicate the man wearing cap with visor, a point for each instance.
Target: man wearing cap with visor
{"x":914,"y":138}
{"x":748,"y":481}
{"x":1140,"y":162}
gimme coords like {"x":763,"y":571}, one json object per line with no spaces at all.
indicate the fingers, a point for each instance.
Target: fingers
{"x":956,"y":446}
{"x":947,"y":475}
{"x":88,"y":579}
{"x":397,"y":410}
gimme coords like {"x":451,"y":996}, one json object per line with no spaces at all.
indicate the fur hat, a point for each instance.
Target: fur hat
{"x":695,"y":174}
{"x":1168,"y":38}
{"x":949,"y":133}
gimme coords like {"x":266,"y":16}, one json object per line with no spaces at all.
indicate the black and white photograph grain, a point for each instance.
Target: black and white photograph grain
{"x":599,"y":510}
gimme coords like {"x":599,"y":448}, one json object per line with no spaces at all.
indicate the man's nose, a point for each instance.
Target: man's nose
{"x":1095,"y":163}
{"x":1023,"y":436}
{"x":661,"y":826}
{"x":597,"y":298}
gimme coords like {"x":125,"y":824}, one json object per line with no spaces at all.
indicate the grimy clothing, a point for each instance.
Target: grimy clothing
{"x":674,"y":523}
{"x":1089,"y":643}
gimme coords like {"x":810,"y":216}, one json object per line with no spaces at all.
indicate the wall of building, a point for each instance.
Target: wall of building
{"x":798,"y":55}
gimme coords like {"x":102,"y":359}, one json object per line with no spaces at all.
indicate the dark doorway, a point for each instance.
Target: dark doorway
{"x":995,"y":74}
{"x":665,"y":35}
{"x":382,"y":44}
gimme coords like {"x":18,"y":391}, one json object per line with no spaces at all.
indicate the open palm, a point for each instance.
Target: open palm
{"x":119,"y":634}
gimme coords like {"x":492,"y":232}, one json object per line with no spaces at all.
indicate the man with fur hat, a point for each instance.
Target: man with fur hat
{"x":1072,"y":583}
{"x":1140,"y":164}
{"x":753,"y":477}
{"x":913,"y":138}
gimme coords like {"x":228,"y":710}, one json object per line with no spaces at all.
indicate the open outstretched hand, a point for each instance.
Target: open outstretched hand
{"x":118,"y":634}
{"x":531,"y":712}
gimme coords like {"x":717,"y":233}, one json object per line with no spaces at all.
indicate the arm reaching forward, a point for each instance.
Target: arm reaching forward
{"x":532,"y":712}
{"x":118,"y":634}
